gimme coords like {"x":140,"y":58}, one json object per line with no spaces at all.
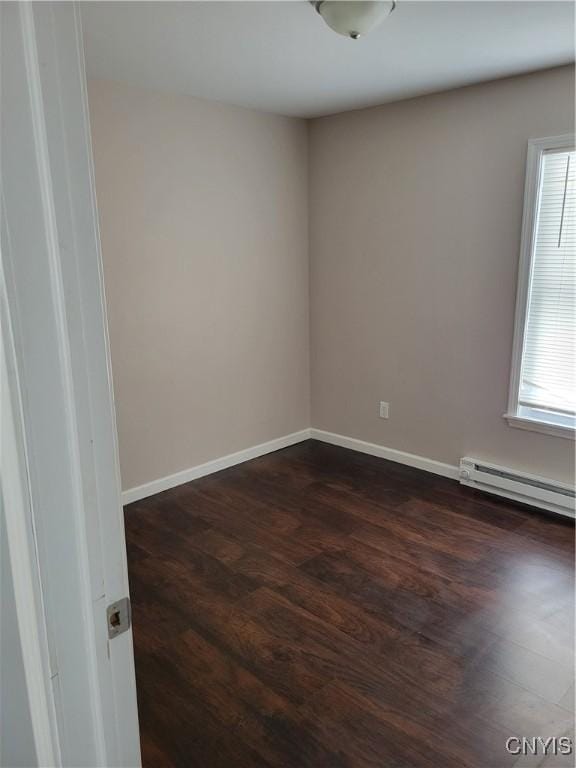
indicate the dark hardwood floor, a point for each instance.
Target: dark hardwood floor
{"x":319,"y":607}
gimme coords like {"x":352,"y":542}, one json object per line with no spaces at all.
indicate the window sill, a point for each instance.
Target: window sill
{"x":558,"y":425}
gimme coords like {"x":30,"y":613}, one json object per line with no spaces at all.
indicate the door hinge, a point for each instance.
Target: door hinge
{"x":118,"y":615}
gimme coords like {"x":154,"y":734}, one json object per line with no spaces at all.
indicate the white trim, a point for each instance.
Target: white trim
{"x":391,"y":454}
{"x":538,"y":425}
{"x":69,"y":423}
{"x":200,"y":470}
{"x":53,"y":275}
{"x":536,"y":147}
{"x":450,"y":471}
{"x":21,"y":541}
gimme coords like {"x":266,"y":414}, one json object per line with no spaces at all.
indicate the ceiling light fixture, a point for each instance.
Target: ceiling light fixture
{"x":353,"y":18}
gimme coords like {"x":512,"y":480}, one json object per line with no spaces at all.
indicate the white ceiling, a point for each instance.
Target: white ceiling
{"x":281,"y":57}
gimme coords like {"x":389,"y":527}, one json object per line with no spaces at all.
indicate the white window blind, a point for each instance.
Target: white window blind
{"x":547,"y":380}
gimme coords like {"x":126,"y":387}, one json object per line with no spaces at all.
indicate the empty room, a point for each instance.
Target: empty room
{"x":288,"y":304}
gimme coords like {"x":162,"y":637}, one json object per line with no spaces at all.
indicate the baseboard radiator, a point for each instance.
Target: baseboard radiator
{"x":519,"y":486}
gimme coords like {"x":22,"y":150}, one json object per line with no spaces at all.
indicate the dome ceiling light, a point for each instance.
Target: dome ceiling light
{"x":353,"y":18}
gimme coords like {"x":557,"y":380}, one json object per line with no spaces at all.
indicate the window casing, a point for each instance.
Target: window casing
{"x":543,"y":383}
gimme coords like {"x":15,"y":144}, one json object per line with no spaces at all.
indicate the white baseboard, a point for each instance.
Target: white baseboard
{"x":400,"y":457}
{"x":373,"y":449}
{"x":186,"y":475}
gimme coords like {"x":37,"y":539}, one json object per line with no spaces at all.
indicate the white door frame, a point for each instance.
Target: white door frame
{"x":54,"y":301}
{"x":23,"y":566}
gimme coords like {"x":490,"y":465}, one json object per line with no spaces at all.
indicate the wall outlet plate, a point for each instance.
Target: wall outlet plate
{"x":384,"y":409}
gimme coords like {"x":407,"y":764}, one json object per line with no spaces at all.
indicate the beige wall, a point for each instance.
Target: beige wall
{"x":415,"y":212}
{"x":415,"y":224}
{"x":203,"y":211}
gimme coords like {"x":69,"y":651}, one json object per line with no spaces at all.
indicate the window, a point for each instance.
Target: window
{"x":543,"y":381}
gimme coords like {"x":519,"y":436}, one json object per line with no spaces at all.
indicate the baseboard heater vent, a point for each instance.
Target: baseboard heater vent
{"x":529,"y":489}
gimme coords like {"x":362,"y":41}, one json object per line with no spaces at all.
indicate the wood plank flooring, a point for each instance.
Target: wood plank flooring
{"x":319,"y":607}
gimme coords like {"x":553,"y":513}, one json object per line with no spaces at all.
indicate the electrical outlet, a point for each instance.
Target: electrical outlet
{"x":384,"y":409}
